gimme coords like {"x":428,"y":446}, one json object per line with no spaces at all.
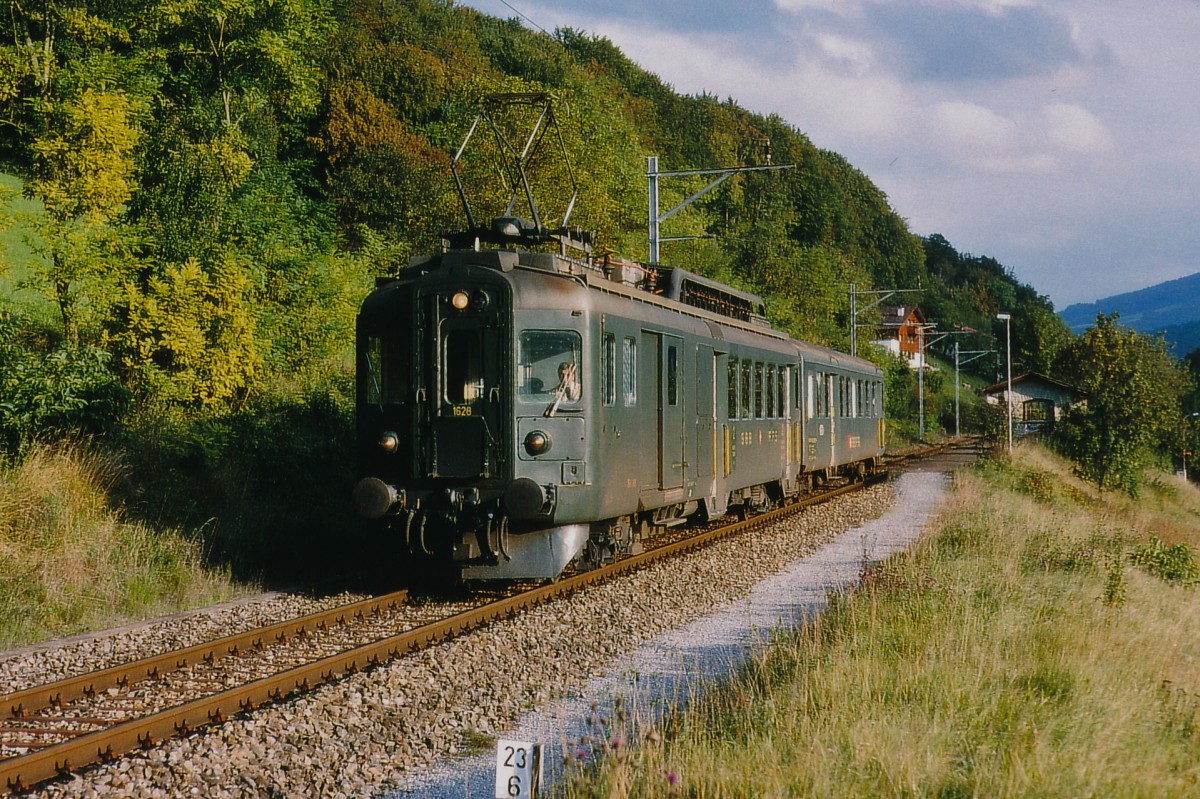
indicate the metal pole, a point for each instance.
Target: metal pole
{"x":921,"y":379}
{"x":1008,"y":346}
{"x":652,"y":173}
{"x":723,"y":174}
{"x":853,"y":327}
{"x":1007,"y":319}
{"x":956,"y":382}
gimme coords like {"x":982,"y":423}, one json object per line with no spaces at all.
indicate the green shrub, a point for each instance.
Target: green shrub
{"x":1173,"y":564}
{"x":61,"y":391}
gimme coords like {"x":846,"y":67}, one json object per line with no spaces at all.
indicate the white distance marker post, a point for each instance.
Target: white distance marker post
{"x":518,"y":769}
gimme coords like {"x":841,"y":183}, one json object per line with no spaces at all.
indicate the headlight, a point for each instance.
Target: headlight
{"x":537,"y":442}
{"x":460,"y":300}
{"x":389,"y":442}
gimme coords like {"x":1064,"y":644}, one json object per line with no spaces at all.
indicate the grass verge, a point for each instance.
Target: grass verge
{"x":1041,"y":641}
{"x":70,"y":562}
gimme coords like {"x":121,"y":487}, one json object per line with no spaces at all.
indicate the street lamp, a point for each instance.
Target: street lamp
{"x":1007,"y":319}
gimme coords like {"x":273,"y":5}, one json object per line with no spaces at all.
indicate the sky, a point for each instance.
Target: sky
{"x":1061,"y":139}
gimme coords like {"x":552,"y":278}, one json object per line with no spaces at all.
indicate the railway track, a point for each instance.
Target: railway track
{"x":54,"y":729}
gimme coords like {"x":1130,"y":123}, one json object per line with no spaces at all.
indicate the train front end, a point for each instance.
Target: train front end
{"x":436,"y":428}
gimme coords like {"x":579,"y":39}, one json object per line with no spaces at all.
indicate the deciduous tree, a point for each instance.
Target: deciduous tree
{"x":1133,"y":393}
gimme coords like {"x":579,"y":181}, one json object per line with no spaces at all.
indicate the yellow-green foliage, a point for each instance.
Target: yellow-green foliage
{"x":70,"y":562}
{"x":194,"y":330}
{"x":1021,"y":649}
{"x":85,"y":165}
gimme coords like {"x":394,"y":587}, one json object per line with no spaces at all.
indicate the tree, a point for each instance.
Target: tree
{"x":1134,"y":392}
{"x":83,"y":174}
{"x":243,"y":52}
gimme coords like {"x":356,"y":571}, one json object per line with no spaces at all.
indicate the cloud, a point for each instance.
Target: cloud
{"x":1075,"y":129}
{"x":1032,"y":143}
{"x":751,"y":16}
{"x":961,"y":43}
{"x":977,"y":137}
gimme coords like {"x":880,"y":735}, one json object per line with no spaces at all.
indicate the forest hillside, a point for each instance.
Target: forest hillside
{"x":197,"y":196}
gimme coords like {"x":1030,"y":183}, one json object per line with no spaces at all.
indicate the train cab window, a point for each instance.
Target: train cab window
{"x":770,"y":391}
{"x":733,"y":388}
{"x":462,"y":367}
{"x":387,"y":372}
{"x":609,"y":355}
{"x":629,"y":373}
{"x":550,"y":367}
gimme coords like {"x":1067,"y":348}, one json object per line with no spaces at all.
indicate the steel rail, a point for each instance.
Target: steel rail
{"x":20,"y":772}
{"x":20,"y":704}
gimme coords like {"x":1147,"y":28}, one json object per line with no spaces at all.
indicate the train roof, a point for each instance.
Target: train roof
{"x":673,"y":288}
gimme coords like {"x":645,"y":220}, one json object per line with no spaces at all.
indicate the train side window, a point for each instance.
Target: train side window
{"x":629,"y":375}
{"x":758,"y":390}
{"x":672,"y":375}
{"x":830,"y":394}
{"x":770,"y":391}
{"x":550,"y":367}
{"x":746,"y":412}
{"x":733,"y":388}
{"x":810,"y":403}
{"x":608,"y":354}
{"x":781,"y":391}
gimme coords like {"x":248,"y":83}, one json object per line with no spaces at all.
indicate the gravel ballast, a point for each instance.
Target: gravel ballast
{"x":383,"y":731}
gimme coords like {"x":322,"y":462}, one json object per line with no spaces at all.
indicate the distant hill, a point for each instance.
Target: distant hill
{"x":1171,"y":308}
{"x":1186,"y":338}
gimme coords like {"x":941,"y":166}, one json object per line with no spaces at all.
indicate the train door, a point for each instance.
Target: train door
{"x":671,"y":458}
{"x":461,"y":356}
{"x":706,"y":420}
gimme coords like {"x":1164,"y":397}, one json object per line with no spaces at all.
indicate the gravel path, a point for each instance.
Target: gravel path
{"x":668,"y":669}
{"x":382,"y":732}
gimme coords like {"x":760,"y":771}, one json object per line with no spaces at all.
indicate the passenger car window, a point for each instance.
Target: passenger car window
{"x":629,"y":358}
{"x":609,"y":353}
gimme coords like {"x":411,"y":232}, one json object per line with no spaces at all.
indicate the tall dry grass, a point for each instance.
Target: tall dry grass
{"x":69,"y":562}
{"x":1027,"y":647}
